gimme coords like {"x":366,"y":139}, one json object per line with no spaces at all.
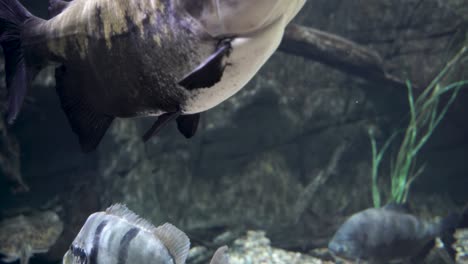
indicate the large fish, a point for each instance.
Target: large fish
{"x":390,"y":233}
{"x":125,"y":58}
{"x":119,"y":236}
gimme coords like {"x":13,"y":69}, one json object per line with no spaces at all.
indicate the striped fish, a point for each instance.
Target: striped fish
{"x":119,"y":236}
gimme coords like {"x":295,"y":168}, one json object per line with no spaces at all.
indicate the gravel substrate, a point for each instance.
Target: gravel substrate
{"x":255,"y":249}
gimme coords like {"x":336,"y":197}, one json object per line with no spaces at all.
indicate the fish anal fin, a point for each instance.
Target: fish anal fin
{"x":210,"y":71}
{"x":188,"y":124}
{"x":175,"y":240}
{"x":422,"y":254}
{"x":88,"y":124}
{"x":56,"y":7}
{"x":220,"y":256}
{"x":161,"y":122}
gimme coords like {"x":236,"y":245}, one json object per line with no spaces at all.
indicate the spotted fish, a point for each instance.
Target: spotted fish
{"x":25,"y":235}
{"x":125,"y":58}
{"x":118,"y":235}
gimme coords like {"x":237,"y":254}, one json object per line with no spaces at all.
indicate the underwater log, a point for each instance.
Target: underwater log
{"x":337,"y":52}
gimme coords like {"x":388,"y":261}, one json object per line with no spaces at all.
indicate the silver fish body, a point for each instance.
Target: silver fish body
{"x":119,"y":236}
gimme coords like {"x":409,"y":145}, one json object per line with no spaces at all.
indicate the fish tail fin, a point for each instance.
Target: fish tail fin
{"x":450,"y":223}
{"x":447,"y":227}
{"x":13,"y":15}
{"x":463,"y":223}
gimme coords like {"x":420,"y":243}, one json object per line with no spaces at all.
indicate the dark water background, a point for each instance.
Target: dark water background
{"x":250,"y":163}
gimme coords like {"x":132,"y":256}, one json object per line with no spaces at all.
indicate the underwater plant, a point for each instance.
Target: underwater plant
{"x":426,"y":113}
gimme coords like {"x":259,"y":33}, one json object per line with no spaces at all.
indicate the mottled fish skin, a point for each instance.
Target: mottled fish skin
{"x":119,"y":236}
{"x":127,"y":55}
{"x":381,"y":235}
{"x":23,"y":236}
{"x":134,"y":52}
{"x":127,"y":58}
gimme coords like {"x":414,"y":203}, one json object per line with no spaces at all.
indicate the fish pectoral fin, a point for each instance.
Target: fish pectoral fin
{"x":162,"y":121}
{"x":210,"y":71}
{"x":176,"y":242}
{"x":8,"y":259}
{"x":220,"y":256}
{"x":56,"y":7}
{"x":88,"y":124}
{"x":188,"y":124}
{"x":26,"y":254}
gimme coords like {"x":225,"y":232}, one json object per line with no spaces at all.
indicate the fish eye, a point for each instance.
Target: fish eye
{"x":79,"y":254}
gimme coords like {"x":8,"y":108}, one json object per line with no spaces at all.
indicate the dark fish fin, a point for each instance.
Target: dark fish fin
{"x":162,"y":121}
{"x":12,"y":17}
{"x":447,"y":228}
{"x":422,"y":254}
{"x":210,"y":71}
{"x":464,"y":218}
{"x":188,"y":124}
{"x":220,"y":256}
{"x":450,"y":223}
{"x":89,"y":125}
{"x":56,"y":7}
{"x":175,"y":241}
{"x":398,"y":207}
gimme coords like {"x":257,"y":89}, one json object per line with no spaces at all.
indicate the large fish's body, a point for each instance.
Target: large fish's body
{"x":119,"y":236}
{"x":126,"y":58}
{"x":380,"y":235}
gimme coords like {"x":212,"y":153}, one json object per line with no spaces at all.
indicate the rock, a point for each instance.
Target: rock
{"x":461,"y":246}
{"x":255,"y":249}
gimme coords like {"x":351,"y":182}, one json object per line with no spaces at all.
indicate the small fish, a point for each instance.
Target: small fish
{"x":127,"y":58}
{"x":25,"y":235}
{"x":380,"y":235}
{"x":119,"y":236}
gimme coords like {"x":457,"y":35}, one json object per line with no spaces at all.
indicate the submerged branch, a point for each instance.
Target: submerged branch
{"x":316,"y":184}
{"x":338,"y":53}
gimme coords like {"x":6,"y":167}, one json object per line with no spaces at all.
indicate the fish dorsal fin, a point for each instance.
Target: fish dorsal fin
{"x":120,"y":210}
{"x":397,"y":207}
{"x":175,"y":241}
{"x":220,"y":256}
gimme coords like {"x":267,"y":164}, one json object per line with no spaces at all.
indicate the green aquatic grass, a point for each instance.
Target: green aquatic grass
{"x":426,"y":113}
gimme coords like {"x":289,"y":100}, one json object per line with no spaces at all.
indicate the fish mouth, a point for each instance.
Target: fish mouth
{"x":340,"y":250}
